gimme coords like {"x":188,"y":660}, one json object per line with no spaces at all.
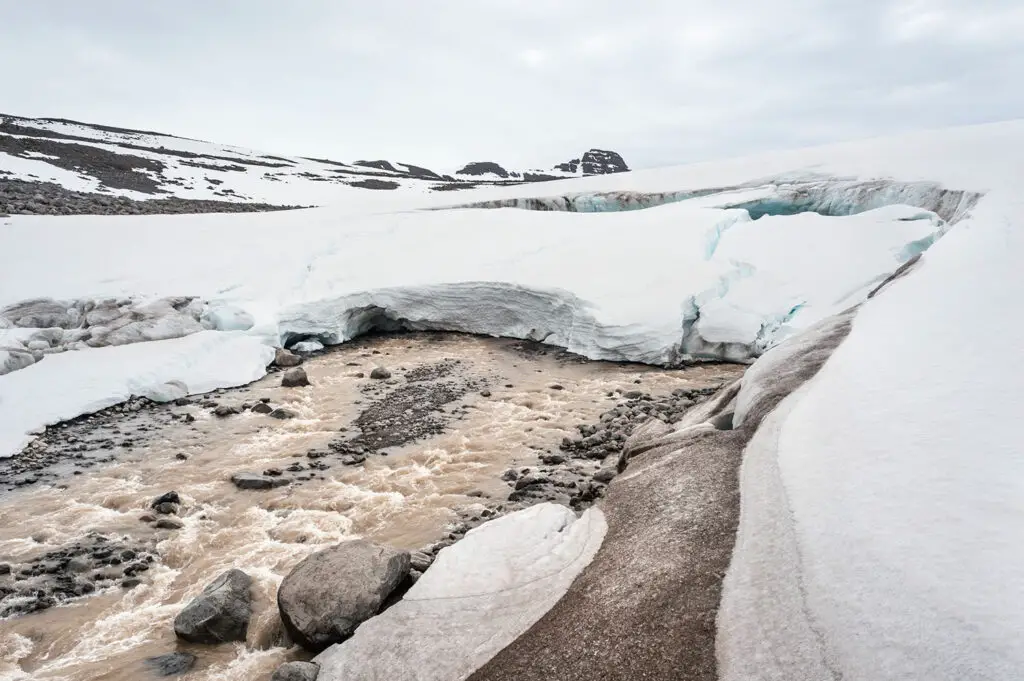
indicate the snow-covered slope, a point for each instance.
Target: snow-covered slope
{"x":882,"y":502}
{"x":143,"y":165}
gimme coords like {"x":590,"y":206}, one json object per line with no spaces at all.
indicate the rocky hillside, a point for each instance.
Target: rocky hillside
{"x":62,"y":167}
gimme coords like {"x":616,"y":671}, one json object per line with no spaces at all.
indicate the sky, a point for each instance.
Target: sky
{"x":526,"y":83}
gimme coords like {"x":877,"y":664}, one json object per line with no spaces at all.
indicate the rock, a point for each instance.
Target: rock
{"x":308,"y":346}
{"x":420,"y":561}
{"x":485,"y":393}
{"x":284,"y":358}
{"x":262,"y":408}
{"x":172,"y":664}
{"x":147,"y":518}
{"x":181,"y":457}
{"x":220,"y":613}
{"x":282,"y":413}
{"x":257,"y":481}
{"x":273,"y":472}
{"x":296,"y":671}
{"x":166,"y":508}
{"x":530,"y":480}
{"x":169,"y":524}
{"x":380,"y":373}
{"x":557,"y":386}
{"x":224,"y":410}
{"x":331,"y":592}
{"x":5,"y":569}
{"x":294,"y":378}
{"x":605,"y":474}
{"x":171,"y":497}
{"x":131,"y":583}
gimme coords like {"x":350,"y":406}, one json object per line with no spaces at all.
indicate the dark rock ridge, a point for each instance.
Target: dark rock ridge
{"x":483,"y":168}
{"x":19,"y":197}
{"x":327,"y":595}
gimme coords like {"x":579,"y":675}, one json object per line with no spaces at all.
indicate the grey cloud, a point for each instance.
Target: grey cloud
{"x":519,"y":81}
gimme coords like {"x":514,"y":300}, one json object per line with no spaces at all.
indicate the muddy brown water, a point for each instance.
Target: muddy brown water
{"x":408,"y":498}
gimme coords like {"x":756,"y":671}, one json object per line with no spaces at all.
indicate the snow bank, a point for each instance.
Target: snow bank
{"x":882,"y":503}
{"x":477,"y":597}
{"x":66,"y":385}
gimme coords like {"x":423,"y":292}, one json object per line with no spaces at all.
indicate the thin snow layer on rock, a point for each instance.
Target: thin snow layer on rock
{"x":66,"y":385}
{"x":477,"y":597}
{"x":882,"y":504}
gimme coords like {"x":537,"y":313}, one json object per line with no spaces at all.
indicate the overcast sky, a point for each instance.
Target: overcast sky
{"x":522,"y":82}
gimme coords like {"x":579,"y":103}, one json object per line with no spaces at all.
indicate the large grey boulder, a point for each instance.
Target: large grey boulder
{"x":284,"y":358}
{"x":220,"y":613}
{"x":296,"y":671}
{"x":331,"y":592}
{"x":294,"y":378}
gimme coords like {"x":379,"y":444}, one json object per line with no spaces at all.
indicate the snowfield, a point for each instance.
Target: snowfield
{"x":693,"y":278}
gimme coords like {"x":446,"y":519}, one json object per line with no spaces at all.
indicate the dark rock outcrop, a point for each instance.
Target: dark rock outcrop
{"x":327,"y":595}
{"x":220,"y":613}
{"x":602,"y":162}
{"x":478,"y":168}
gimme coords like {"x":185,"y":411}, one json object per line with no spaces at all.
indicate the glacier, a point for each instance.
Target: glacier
{"x":688,"y":275}
{"x":880,"y":501}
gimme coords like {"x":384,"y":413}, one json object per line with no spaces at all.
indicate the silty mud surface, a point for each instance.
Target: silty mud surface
{"x":413,"y":460}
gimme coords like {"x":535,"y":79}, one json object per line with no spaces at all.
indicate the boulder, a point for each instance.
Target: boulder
{"x":172,"y":664}
{"x":262,"y":408}
{"x":327,"y":595}
{"x":171,"y":497}
{"x":257,"y":481}
{"x":220,"y":613}
{"x":296,"y":671}
{"x":284,"y":358}
{"x":294,"y":378}
{"x":224,"y":410}
{"x":380,"y":373}
{"x":282,"y":413}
